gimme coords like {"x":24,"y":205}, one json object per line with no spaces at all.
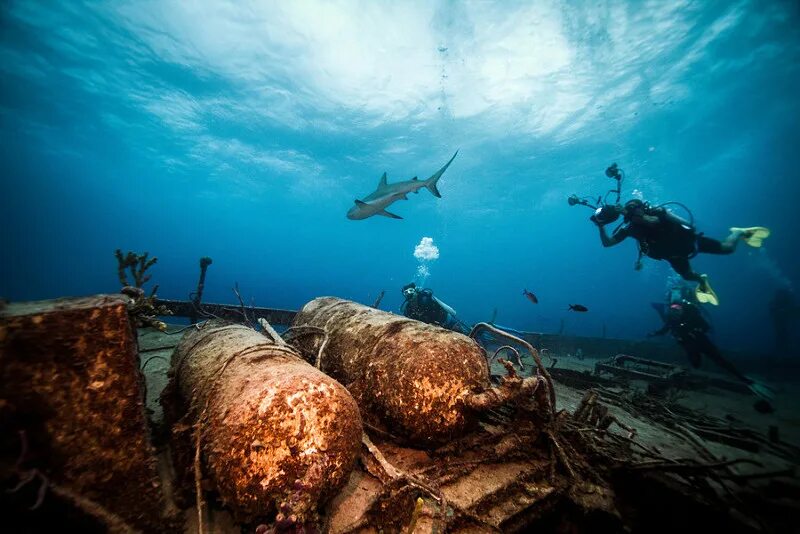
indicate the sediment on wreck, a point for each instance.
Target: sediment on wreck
{"x":270,"y":432}
{"x":427,"y":382}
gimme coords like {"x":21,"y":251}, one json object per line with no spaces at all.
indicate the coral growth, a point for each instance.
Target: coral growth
{"x":138,"y":265}
{"x":143,"y":310}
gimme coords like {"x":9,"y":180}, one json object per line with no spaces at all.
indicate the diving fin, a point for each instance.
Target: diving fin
{"x":753,"y":236}
{"x":704,"y":293}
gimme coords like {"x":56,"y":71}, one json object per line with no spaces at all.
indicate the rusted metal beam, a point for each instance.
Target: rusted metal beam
{"x":580,"y":379}
{"x":629,"y":373}
{"x":186,"y":308}
{"x":641,"y":368}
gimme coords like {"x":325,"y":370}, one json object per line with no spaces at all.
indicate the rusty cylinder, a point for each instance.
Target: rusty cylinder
{"x":276,"y":434}
{"x":423,"y":380}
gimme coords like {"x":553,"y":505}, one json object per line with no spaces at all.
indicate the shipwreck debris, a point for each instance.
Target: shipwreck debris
{"x":543,"y":373}
{"x":274,"y":436}
{"x":72,"y":398}
{"x":597,"y":415}
{"x":377,"y":303}
{"x":229,"y":312}
{"x":624,"y":365}
{"x":517,"y":466}
{"x":197,"y":297}
{"x":422,"y":380}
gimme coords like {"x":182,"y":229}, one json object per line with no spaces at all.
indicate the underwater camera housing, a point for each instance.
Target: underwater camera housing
{"x":613,"y":172}
{"x":573,"y":200}
{"x":604,"y":211}
{"x":606,"y":214}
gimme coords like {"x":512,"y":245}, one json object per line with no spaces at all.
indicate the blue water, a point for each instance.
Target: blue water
{"x":244,"y":132}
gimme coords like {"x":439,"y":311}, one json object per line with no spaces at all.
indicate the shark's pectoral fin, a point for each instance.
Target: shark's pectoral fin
{"x":388,"y":214}
{"x":361,"y":203}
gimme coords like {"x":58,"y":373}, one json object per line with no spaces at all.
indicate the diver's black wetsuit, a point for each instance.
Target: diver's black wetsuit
{"x":689,"y":328}
{"x":423,"y":307}
{"x":664,"y":236}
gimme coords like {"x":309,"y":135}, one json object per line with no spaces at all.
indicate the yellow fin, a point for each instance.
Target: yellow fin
{"x":705,"y":294}
{"x":753,"y":236}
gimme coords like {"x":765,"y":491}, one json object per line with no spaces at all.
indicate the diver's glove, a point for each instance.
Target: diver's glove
{"x":765,"y":394}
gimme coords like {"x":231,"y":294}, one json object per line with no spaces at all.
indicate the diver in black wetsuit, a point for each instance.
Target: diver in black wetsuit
{"x":421,"y":305}
{"x":688,"y":326}
{"x":662,"y":235}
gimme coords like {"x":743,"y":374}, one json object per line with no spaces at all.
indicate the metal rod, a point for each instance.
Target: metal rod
{"x":233,"y":312}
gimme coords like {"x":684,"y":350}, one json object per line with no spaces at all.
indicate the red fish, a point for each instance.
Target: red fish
{"x":530,"y":296}
{"x":577,"y":308}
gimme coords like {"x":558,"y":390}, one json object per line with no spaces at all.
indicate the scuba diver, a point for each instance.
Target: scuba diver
{"x":662,"y":235}
{"x":684,"y":320}
{"x":421,"y":305}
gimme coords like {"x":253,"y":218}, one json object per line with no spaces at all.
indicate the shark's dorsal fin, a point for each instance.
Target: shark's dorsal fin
{"x":415,"y":178}
{"x":382,"y":182}
{"x":360,"y":203}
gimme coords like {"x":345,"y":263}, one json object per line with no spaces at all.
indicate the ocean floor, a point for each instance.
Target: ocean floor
{"x":713,"y":401}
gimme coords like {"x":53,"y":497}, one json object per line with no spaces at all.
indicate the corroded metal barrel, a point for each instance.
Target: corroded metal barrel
{"x":422,"y":380}
{"x":275,"y":433}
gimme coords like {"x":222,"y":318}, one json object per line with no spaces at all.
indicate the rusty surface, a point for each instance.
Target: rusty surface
{"x":497,"y":478}
{"x":504,"y":475}
{"x":69,"y":382}
{"x":417,"y":377}
{"x":275,"y":433}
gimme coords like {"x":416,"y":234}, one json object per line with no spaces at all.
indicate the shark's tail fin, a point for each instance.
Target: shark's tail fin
{"x":433,"y":189}
{"x":430,"y":183}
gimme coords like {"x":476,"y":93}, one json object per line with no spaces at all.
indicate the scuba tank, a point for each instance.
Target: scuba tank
{"x":429,"y":308}
{"x":675,"y":237}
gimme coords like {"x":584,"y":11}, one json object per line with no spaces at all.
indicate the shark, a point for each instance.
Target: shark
{"x":385,"y":194}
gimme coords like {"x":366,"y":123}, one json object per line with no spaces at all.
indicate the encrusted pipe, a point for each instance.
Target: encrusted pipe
{"x":275,"y":434}
{"x":425,"y":382}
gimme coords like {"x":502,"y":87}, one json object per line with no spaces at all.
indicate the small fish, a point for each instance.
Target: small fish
{"x":530,"y":296}
{"x":577,"y":308}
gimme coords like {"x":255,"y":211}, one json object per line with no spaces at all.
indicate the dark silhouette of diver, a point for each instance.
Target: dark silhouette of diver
{"x":687,"y":325}
{"x":421,"y":305}
{"x":662,"y":235}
